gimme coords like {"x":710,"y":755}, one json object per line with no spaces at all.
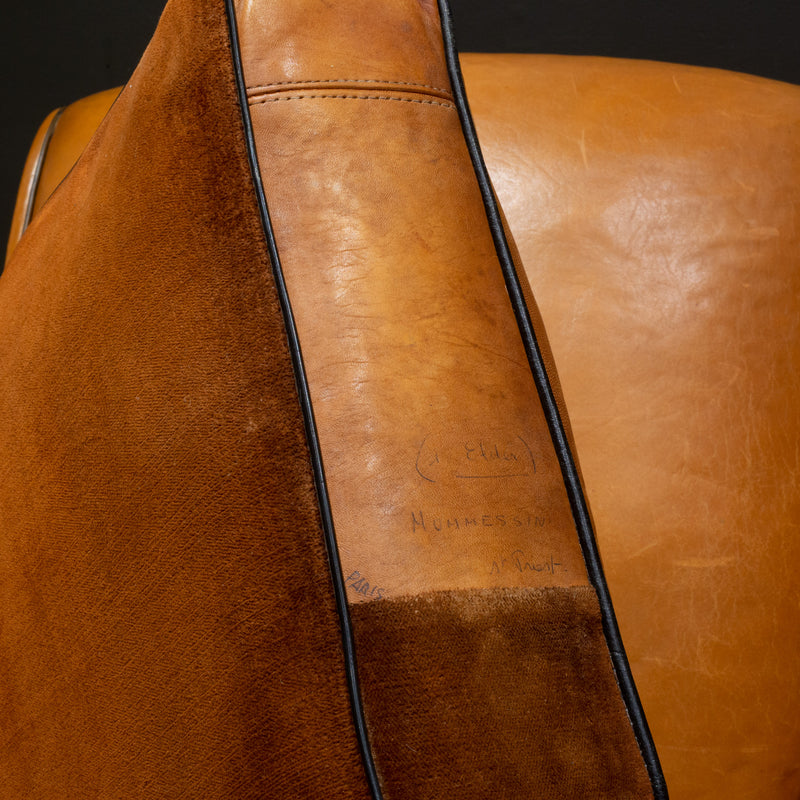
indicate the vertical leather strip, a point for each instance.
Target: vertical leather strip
{"x":308,"y":416}
{"x":571,"y":480}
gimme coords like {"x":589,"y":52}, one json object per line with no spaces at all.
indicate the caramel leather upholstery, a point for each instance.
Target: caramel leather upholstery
{"x":31,"y":175}
{"x":654,"y":207}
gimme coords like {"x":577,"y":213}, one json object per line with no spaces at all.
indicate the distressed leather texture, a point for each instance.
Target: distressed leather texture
{"x":437,"y":456}
{"x":652,"y":205}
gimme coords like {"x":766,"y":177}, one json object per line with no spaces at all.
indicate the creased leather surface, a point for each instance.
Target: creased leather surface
{"x":438,"y":460}
{"x":168,"y":628}
{"x":655,"y":207}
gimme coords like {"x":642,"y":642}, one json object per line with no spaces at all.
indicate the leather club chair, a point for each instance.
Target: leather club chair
{"x":656,"y":209}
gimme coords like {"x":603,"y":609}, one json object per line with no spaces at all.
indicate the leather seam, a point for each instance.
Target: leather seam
{"x":267,"y":86}
{"x":351,"y":97}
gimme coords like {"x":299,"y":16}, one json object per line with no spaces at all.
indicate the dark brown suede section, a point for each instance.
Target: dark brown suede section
{"x":495,"y":693}
{"x":168,"y":625}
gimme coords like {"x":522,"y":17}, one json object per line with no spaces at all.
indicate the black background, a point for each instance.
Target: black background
{"x":52,"y":53}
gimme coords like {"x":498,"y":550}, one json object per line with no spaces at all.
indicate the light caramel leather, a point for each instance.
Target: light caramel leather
{"x":442,"y":476}
{"x":58,"y":144}
{"x":73,"y":130}
{"x":439,"y":463}
{"x":654,"y":208}
{"x":24,"y":206}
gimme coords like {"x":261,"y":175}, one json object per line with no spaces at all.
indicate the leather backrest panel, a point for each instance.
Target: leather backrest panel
{"x":655,"y":208}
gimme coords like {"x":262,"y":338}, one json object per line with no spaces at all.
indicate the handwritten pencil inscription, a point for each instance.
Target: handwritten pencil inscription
{"x":519,"y":561}
{"x":474,"y":458}
{"x":463,"y":521}
{"x":358,"y":584}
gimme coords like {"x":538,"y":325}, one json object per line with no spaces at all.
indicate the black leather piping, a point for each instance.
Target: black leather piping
{"x":580,"y":511}
{"x":37,"y":171}
{"x":308,"y":415}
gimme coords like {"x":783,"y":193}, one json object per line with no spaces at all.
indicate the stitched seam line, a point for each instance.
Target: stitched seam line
{"x":346,"y":80}
{"x":351,"y":97}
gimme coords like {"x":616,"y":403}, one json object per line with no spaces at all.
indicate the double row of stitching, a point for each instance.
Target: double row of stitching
{"x":279,"y":84}
{"x":349,"y":89}
{"x":349,"y":97}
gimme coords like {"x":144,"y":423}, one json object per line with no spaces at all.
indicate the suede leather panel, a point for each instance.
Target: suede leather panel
{"x":507,"y":693}
{"x":168,"y":626}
